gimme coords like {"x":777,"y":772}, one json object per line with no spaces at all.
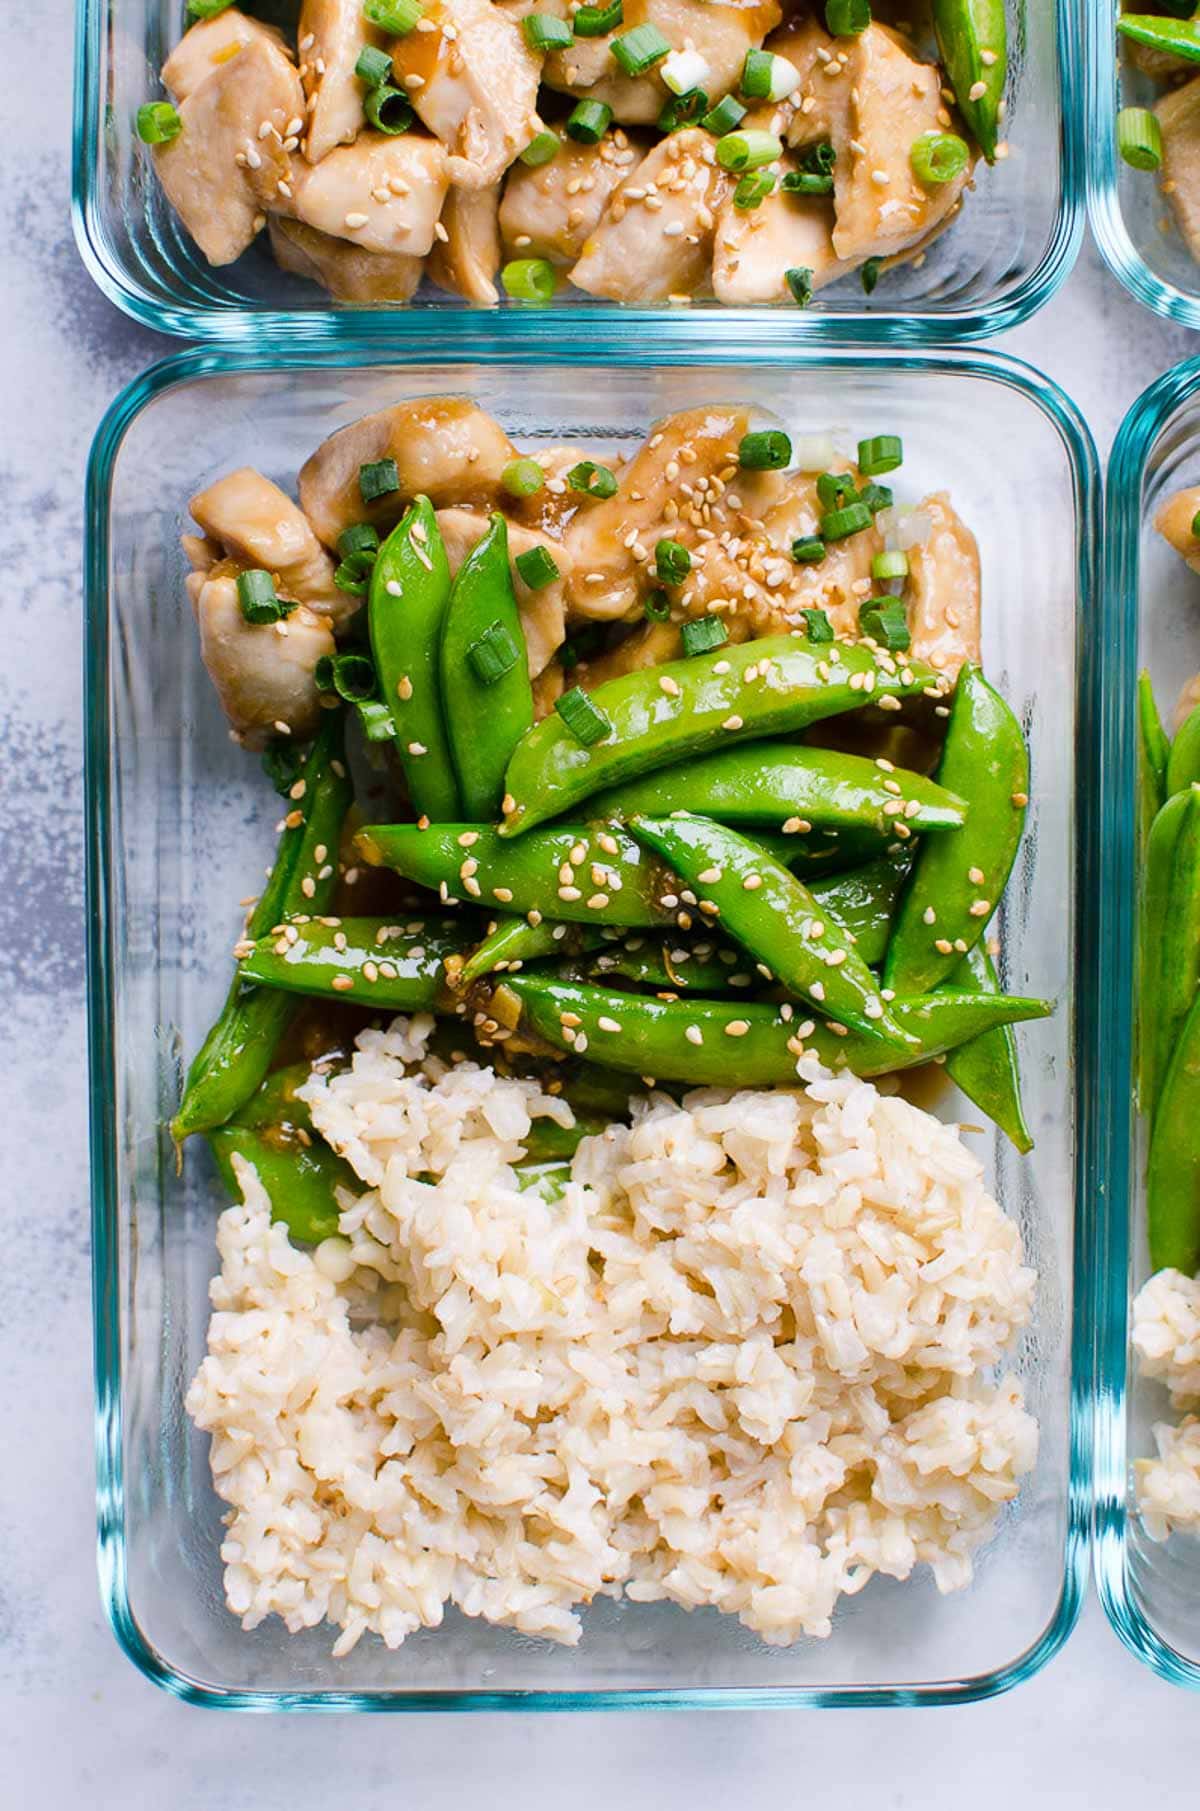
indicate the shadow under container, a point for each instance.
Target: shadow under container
{"x":997,"y":264}
{"x":1150,"y":1589}
{"x":179,"y":823}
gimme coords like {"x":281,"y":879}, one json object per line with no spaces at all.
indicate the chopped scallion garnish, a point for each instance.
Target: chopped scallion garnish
{"x":376,"y":720}
{"x":767,"y":451}
{"x":881,"y":453}
{"x":1139,"y":138}
{"x":836,"y":524}
{"x":703,"y":635}
{"x":585,"y":720}
{"x":546,"y":31}
{"x":373,"y":65}
{"x":883,"y":619}
{"x":817,"y":625}
{"x":537,"y":567}
{"x":542,"y":147}
{"x":351,"y":578}
{"x":657,"y":607}
{"x":638,"y":50}
{"x":378,"y":478}
{"x":592,"y":479}
{"x":529,"y":280}
{"x":847,"y":18}
{"x":522,"y":477}
{"x":207,"y":9}
{"x":834,"y":489}
{"x":938,"y":157}
{"x":358,"y":542}
{"x":351,"y":676}
{"x":388,"y":109}
{"x":158,"y":123}
{"x":890,"y":565}
{"x":398,"y":17}
{"x":588,"y":121}
{"x":748,"y":150}
{"x":800,"y":284}
{"x":808,"y":550}
{"x":722,"y":118}
{"x":806,"y":182}
{"x":752,"y":190}
{"x":598,"y":21}
{"x":682,"y":110}
{"x":257,"y":597}
{"x":876,"y":497}
{"x":672,"y":561}
{"x":494,"y":654}
{"x":870,"y":275}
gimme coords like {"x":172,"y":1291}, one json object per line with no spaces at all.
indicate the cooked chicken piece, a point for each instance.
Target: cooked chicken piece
{"x":549,"y":212}
{"x":874,"y":101}
{"x":1174,"y":523}
{"x":943,"y":591}
{"x":444,"y":448}
{"x":1179,"y":116}
{"x":542,"y":612}
{"x":383,"y":193}
{"x":466,"y":261}
{"x":655,"y":236}
{"x":210,"y":43}
{"x":647,"y":646}
{"x":548,"y":687}
{"x":474,"y":82}
{"x":263,"y":672}
{"x":222,"y":172}
{"x":346,"y":270}
{"x":201,"y":551}
{"x":721,"y":34}
{"x":1185,"y":704}
{"x":332,"y":35}
{"x":551,"y":508}
{"x":753,"y":248}
{"x":257,"y":524}
{"x":684,"y":483}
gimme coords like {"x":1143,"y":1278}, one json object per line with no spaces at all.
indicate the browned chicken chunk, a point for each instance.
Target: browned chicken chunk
{"x":332,"y":35}
{"x":257,"y":524}
{"x":383,"y":193}
{"x":1179,"y":117}
{"x":473,"y":80}
{"x":263,"y":672}
{"x":655,"y":237}
{"x":347,"y":271}
{"x":210,"y":43}
{"x":549,"y":212}
{"x":718,"y":33}
{"x":466,"y":260}
{"x":943,"y":590}
{"x":1174,"y":520}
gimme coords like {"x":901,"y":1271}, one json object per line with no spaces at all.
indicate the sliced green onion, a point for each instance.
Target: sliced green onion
{"x":592,"y":479}
{"x":494,"y":654}
{"x":1139,"y":138}
{"x":748,"y":150}
{"x":376,"y":720}
{"x":585,"y":720}
{"x":158,"y":123}
{"x":546,"y":31}
{"x":767,"y":451}
{"x":281,"y":763}
{"x":806,"y":182}
{"x":374,"y":66}
{"x":522,"y":477}
{"x":703,"y":635}
{"x":536,"y":567}
{"x":638,"y":50}
{"x":834,"y":489}
{"x":672,"y":561}
{"x":722,"y":118}
{"x":351,"y":676}
{"x":682,"y":110}
{"x":884,"y":620}
{"x":817,"y":625}
{"x":257,"y":596}
{"x":800,"y":283}
{"x":207,"y":9}
{"x":819,"y":159}
{"x":395,"y":16}
{"x":938,"y":157}
{"x":529,"y":280}
{"x":351,"y":578}
{"x":1196,"y":525}
{"x":752,"y":190}
{"x":876,"y":497}
{"x":889,"y":565}
{"x":598,"y":21}
{"x":542,"y":147}
{"x":881,"y":453}
{"x":359,"y":542}
{"x":836,"y":524}
{"x":684,"y":71}
{"x":870,"y":275}
{"x":755,"y":81}
{"x":388,"y":109}
{"x":847,"y":18}
{"x":657,"y":607}
{"x":378,"y":478}
{"x":808,"y":550}
{"x":588,"y":122}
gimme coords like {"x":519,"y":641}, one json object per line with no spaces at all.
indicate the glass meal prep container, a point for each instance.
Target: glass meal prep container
{"x":1151,"y":1589}
{"x":178,"y":817}
{"x":1000,"y":260}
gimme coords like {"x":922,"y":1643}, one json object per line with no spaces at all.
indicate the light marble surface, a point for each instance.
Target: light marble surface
{"x":77,"y":1724}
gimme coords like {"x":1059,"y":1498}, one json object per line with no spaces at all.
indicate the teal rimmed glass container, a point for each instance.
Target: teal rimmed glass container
{"x":1014,"y":243}
{"x":1151,"y":1590}
{"x":177,"y":819}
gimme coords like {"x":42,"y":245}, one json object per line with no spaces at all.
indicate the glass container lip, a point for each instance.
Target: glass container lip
{"x":1102,"y":173}
{"x":1132,"y":449}
{"x":551,"y":326}
{"x":447,"y":349}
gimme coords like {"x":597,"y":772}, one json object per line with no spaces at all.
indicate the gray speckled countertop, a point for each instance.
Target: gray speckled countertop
{"x":77,"y":1724}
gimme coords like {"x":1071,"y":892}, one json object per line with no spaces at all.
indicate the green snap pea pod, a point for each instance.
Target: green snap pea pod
{"x":514,"y":941}
{"x":236,"y":1054}
{"x":725,"y":1043}
{"x":577,"y":873}
{"x":1170,"y":938}
{"x":406,"y":610}
{"x":1177,"y":37}
{"x":973,"y":46}
{"x":986,"y":1067}
{"x":957,"y":881}
{"x":804,"y":788}
{"x":1173,"y":1176}
{"x":666,"y":714}
{"x":1183,"y":761}
{"x":300,"y":1179}
{"x":547,"y":1141}
{"x":775,"y":917}
{"x":549,"y":1180}
{"x":488,"y":705}
{"x":1154,"y":754}
{"x":275,"y":1103}
{"x":400,"y":967}
{"x":863,"y":902}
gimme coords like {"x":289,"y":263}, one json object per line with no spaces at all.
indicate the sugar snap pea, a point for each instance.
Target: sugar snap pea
{"x":1154,"y":753}
{"x":1183,"y":761}
{"x":406,"y":610}
{"x":775,"y":917}
{"x":299,"y":1179}
{"x":957,"y":881}
{"x":547,"y":1140}
{"x":803,"y":788}
{"x":665,"y":714}
{"x":513,"y":941}
{"x":1173,"y":1176}
{"x":1170,"y":937}
{"x":725,"y":1043}
{"x":1176,"y":37}
{"x":400,"y":967}
{"x":986,"y":1067}
{"x":972,"y":43}
{"x":547,"y":1179}
{"x":485,"y":689}
{"x":236,"y":1054}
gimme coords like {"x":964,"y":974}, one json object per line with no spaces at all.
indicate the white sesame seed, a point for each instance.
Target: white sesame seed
{"x":355,"y":220}
{"x":607,"y":1024}
{"x":737,"y":1028}
{"x":752,"y":883}
{"x":417,"y":748}
{"x":976,"y":91}
{"x":732,"y":723}
{"x":694,"y":1035}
